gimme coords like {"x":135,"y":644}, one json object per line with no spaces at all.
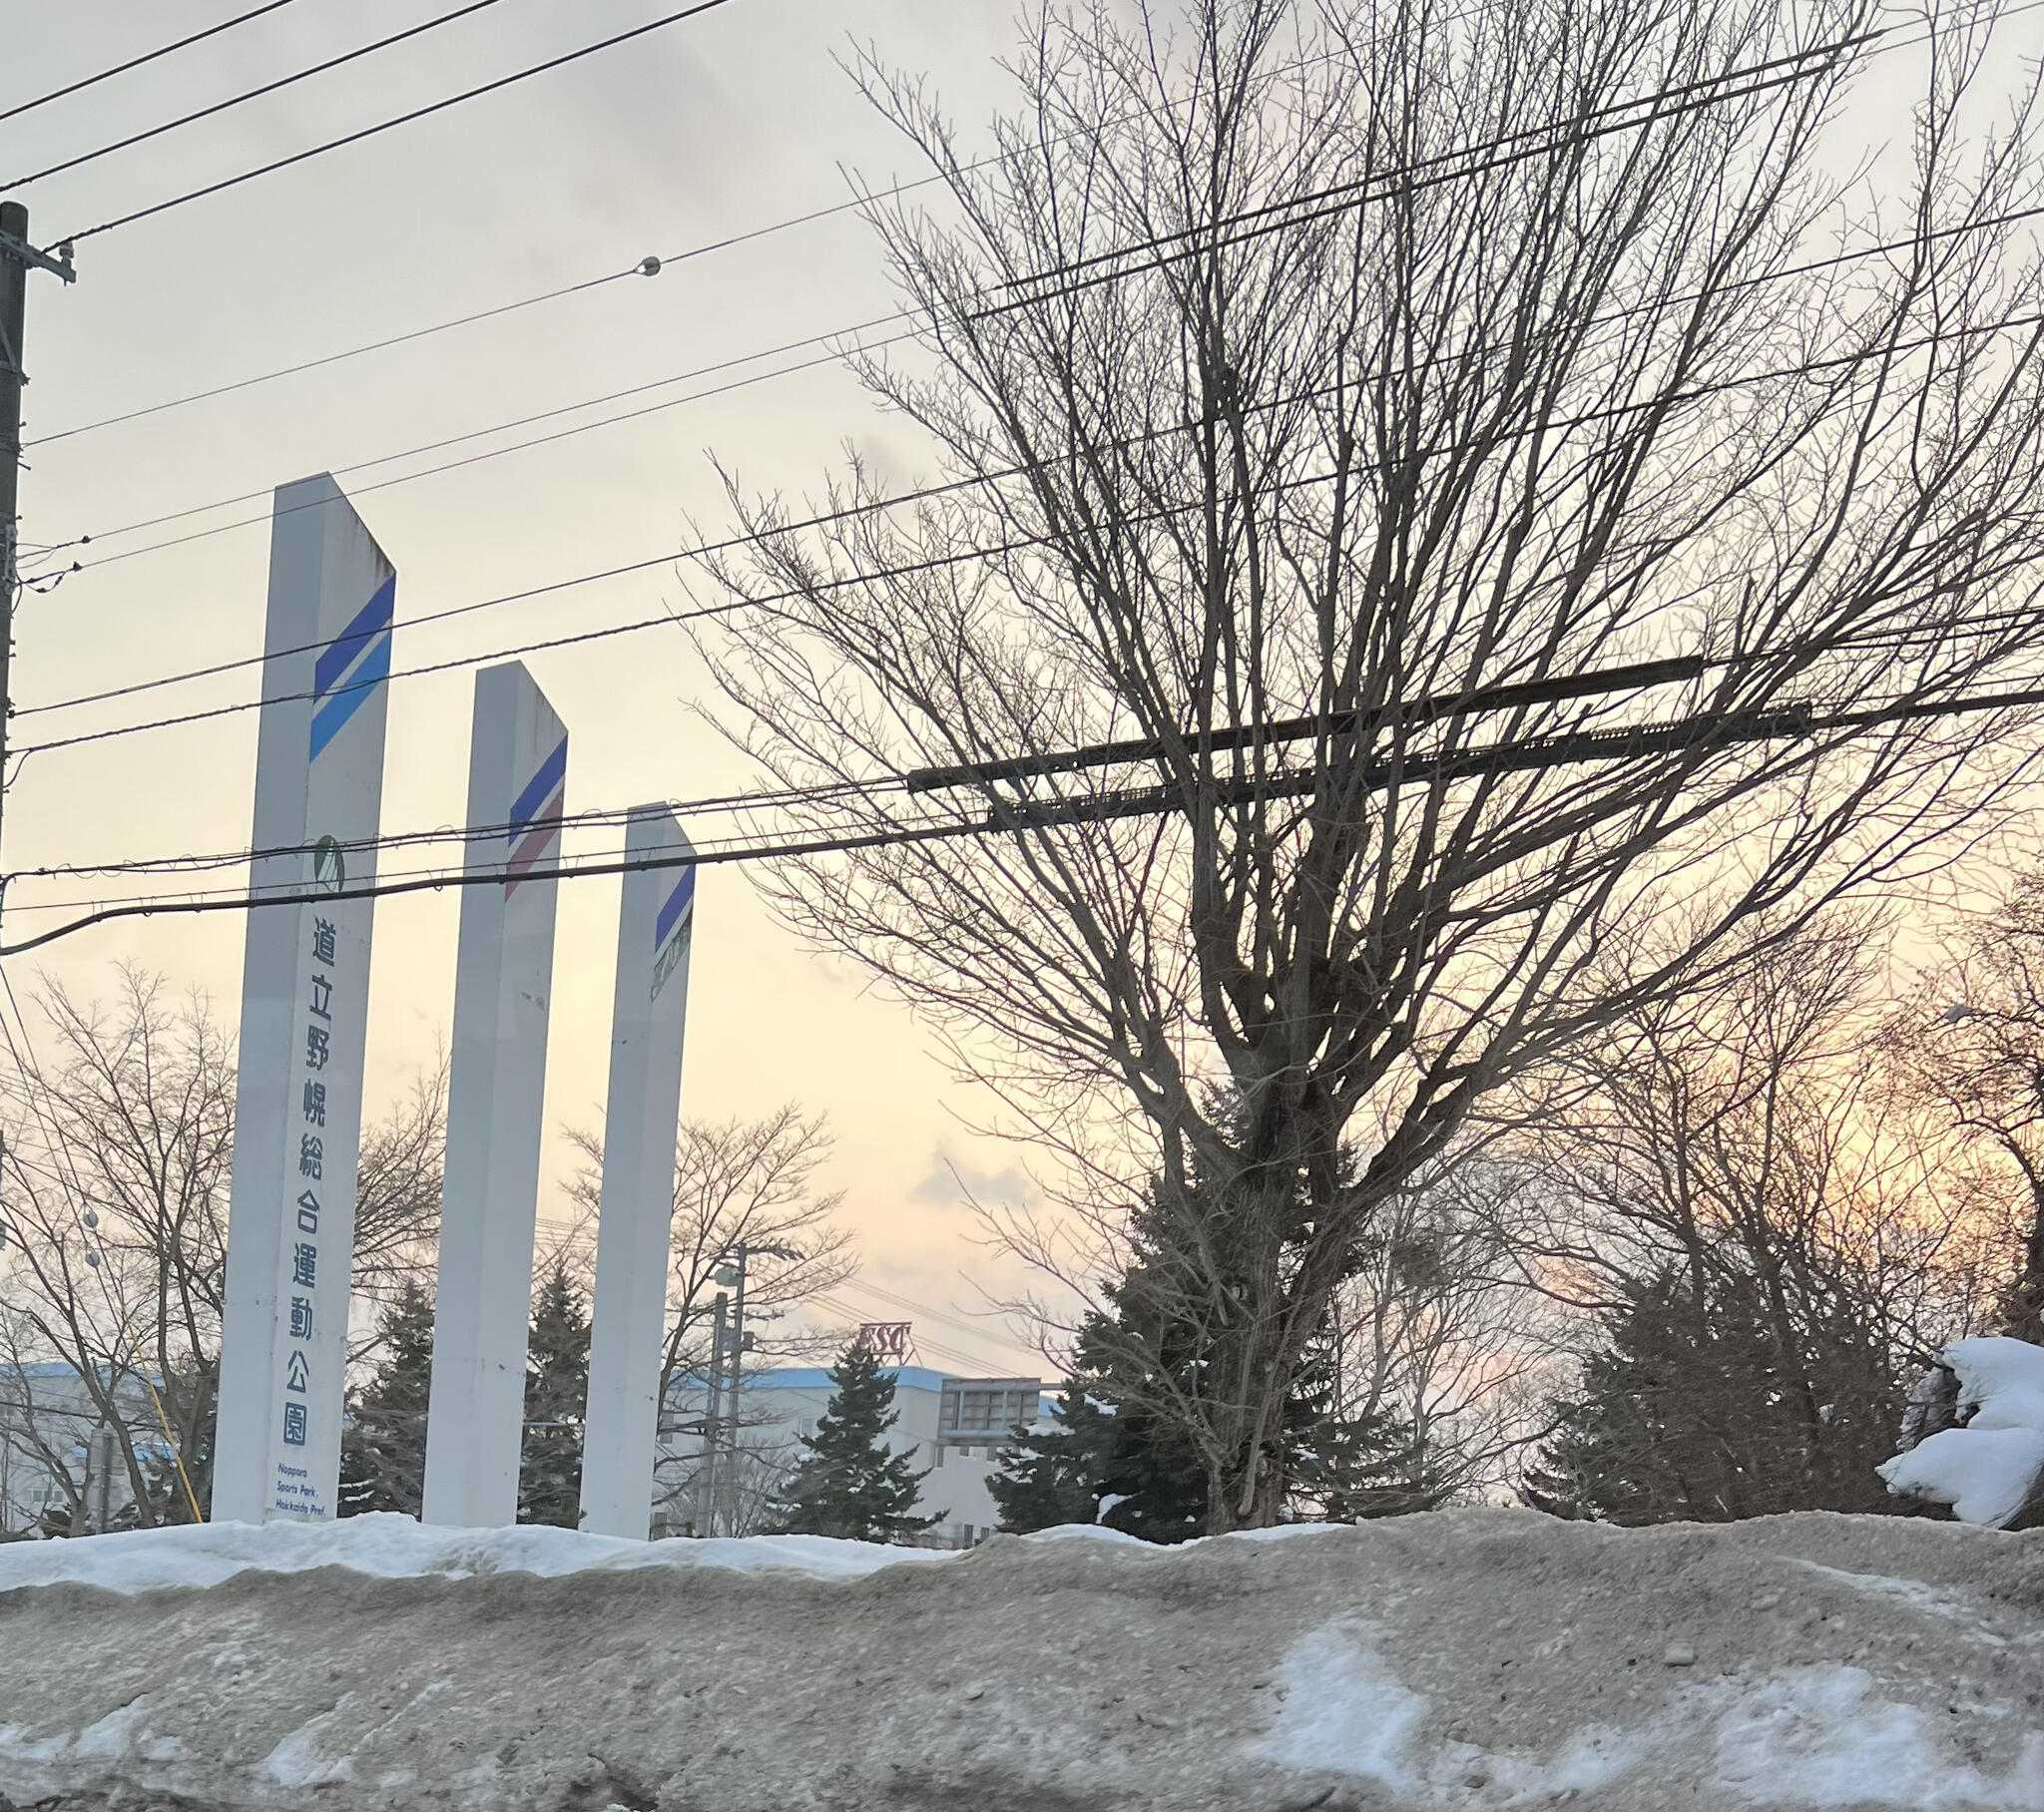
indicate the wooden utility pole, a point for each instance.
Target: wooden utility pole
{"x":17,"y":256}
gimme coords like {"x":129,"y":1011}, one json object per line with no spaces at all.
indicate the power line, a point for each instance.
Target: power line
{"x":1422,"y":711}
{"x":652,"y":266}
{"x":121,"y":69}
{"x":1076,"y":266}
{"x":1701,"y":734}
{"x":646,"y":268}
{"x":1429,"y":710}
{"x":1557,"y":136}
{"x":502,"y":427}
{"x":250,"y":94}
{"x":404,"y":119}
{"x":604,"y":817}
{"x":1549,"y":137}
{"x":1663,"y":400}
{"x":908,"y":497}
{"x":569,"y":640}
{"x":1806,"y":368}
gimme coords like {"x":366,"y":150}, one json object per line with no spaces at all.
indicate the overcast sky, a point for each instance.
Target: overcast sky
{"x":709,"y":128}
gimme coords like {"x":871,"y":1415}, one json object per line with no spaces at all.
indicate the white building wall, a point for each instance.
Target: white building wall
{"x":47,"y":1419}
{"x":778,"y":1407}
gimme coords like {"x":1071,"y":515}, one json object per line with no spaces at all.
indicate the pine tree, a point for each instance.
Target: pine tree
{"x":851,"y":1484}
{"x":384,"y":1444}
{"x":556,"y":1399}
{"x":1696,"y":1409}
{"x":1108,"y":1448}
{"x":1100,"y":1451}
{"x":1350,"y":1469}
{"x":1058,"y":1476}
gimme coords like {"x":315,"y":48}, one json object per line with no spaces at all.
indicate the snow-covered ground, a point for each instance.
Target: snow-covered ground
{"x":1466,"y":1659}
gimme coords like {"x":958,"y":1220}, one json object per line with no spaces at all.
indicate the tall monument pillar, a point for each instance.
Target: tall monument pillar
{"x":656,"y":924}
{"x":304,"y":1005}
{"x":503,"y":984}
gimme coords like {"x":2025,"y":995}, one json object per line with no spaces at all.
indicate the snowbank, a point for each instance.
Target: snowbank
{"x":1986,"y":1470}
{"x":395,"y":1547}
{"x":1461,"y":1661}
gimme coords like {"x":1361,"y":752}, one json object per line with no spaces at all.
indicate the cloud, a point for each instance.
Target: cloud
{"x":956,"y":1183}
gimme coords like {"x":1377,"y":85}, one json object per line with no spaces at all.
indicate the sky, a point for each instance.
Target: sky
{"x":709,"y":129}
{"x":706,"y":128}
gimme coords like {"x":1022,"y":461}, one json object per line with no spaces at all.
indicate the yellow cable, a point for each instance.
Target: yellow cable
{"x":183,"y":1478}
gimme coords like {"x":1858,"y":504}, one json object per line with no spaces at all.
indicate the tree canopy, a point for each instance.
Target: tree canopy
{"x":850,"y":1483}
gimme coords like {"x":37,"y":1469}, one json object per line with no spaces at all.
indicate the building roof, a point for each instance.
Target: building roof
{"x":817,"y":1378}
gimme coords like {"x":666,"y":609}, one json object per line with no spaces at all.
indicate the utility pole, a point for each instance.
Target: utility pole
{"x":706,"y":1472}
{"x":738,"y":1338}
{"x":103,"y":1446}
{"x":17,"y":258}
{"x":733,"y":1276}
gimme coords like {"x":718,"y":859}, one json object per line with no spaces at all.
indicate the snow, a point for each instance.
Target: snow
{"x":393,"y":1546}
{"x":1432,"y":1664}
{"x":1815,"y":1737}
{"x":1986,"y":1469}
{"x":389,"y":1547}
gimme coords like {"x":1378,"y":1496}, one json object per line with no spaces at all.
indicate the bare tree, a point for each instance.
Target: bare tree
{"x":397,"y":1197}
{"x":1301,"y":380}
{"x":1733,"y":1178}
{"x":749,"y":1183}
{"x":113,"y":1272}
{"x":1970,"y":1041}
{"x":1436,"y":1328}
{"x":117,"y":1172}
{"x":737,"y":1182}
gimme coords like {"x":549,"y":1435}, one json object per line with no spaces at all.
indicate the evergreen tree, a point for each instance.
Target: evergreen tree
{"x":556,"y":1399}
{"x":1348,"y":1468}
{"x":1697,"y":1408}
{"x":383,"y":1442}
{"x":1103,"y":1450}
{"x":851,"y":1484}
{"x":1108,"y":1447}
{"x":1055,"y":1476}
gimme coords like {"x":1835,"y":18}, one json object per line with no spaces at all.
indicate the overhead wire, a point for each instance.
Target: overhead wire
{"x":1344,"y":189}
{"x":1425,"y":173}
{"x":604,"y":817}
{"x":1696,"y":734}
{"x":612,"y":630}
{"x":335,"y":358}
{"x":121,"y":69}
{"x":648,"y":267}
{"x":1555,"y":136}
{"x":1632,"y":679}
{"x":403,"y":119}
{"x":246,"y":94}
{"x":1806,"y":369}
{"x":502,"y":427}
{"x":1833,"y":260}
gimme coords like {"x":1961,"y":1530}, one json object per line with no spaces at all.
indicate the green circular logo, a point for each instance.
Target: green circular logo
{"x":330,"y":865}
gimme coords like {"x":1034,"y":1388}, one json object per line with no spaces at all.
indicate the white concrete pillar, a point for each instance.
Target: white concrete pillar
{"x":304,"y":1005}
{"x":656,"y":922}
{"x":503,"y":981}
